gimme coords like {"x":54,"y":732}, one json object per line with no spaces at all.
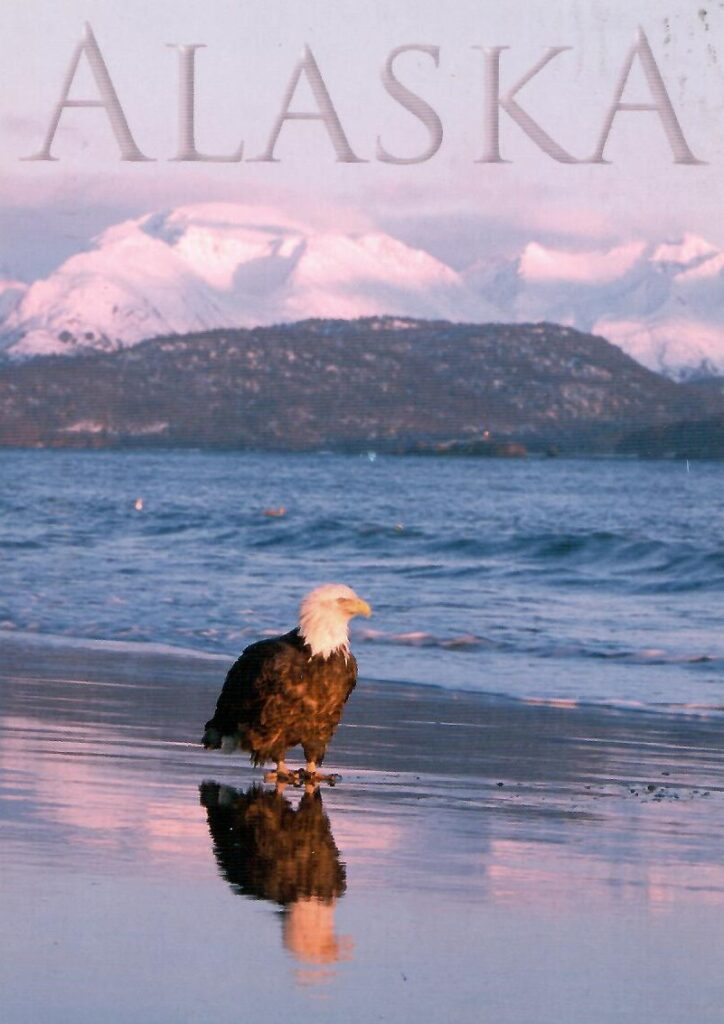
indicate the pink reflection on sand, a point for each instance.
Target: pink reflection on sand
{"x":361,"y":836}
{"x":524,"y":872}
{"x":70,"y":785}
{"x":309,"y":935}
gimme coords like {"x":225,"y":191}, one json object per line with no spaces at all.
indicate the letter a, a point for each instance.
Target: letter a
{"x":325,"y":112}
{"x":662,"y":104}
{"x":109,"y":100}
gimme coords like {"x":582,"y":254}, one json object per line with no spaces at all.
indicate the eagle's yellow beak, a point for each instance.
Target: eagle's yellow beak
{"x":355,"y":606}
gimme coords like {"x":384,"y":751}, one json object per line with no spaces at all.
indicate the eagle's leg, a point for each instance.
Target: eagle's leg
{"x":312,"y":754}
{"x":282,"y":774}
{"x":310,"y":773}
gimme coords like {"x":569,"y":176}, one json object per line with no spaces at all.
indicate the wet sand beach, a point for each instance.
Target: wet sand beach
{"x":482,"y":859}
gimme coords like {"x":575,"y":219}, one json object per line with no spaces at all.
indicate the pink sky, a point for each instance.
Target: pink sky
{"x":449,"y":204}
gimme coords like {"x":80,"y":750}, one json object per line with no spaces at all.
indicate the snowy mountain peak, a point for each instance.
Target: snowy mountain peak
{"x":592,"y":267}
{"x":689,"y":250}
{"x":661,"y":303}
{"x":222,"y":265}
{"x":11,"y":294}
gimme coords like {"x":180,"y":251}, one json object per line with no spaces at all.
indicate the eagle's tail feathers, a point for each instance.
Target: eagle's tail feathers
{"x":216,"y":739}
{"x":211,"y":738}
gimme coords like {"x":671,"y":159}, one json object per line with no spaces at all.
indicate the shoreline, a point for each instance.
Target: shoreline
{"x":366,"y":449}
{"x":375,"y":706}
{"x":16,"y":646}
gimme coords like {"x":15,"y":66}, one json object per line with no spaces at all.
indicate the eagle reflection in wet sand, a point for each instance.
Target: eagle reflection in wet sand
{"x":268,"y":850}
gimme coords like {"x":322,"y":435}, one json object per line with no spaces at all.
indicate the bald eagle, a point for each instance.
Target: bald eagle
{"x":291,"y":689}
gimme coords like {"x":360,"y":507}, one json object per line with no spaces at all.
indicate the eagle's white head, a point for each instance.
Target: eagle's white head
{"x":324,"y":616}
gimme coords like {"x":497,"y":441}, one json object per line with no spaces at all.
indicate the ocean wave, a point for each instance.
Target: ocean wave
{"x":57,"y":641}
{"x":637,"y":561}
{"x":177,"y":654}
{"x":607,"y":551}
{"x":420,"y":638}
{"x":226,"y":642}
{"x":574,"y":558}
{"x":542,"y":647}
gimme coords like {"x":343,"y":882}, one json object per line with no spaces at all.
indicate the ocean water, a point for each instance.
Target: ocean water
{"x":589,"y":581}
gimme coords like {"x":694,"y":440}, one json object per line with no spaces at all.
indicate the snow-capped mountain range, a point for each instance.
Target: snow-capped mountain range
{"x":662,"y":303}
{"x":221,"y":265}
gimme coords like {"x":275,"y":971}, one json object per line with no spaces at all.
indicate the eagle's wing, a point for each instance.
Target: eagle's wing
{"x":351,"y":680}
{"x":262,"y":670}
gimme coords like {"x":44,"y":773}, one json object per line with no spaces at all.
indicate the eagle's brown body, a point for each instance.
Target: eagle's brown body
{"x":278,"y":695}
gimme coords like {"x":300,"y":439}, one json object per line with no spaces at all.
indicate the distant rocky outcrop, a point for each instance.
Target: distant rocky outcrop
{"x":474,"y":447}
{"x":690,"y":439}
{"x":382,"y":382}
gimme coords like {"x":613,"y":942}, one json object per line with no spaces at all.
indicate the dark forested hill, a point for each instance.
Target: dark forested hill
{"x":319,"y":383}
